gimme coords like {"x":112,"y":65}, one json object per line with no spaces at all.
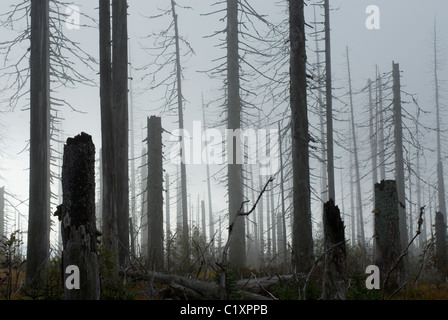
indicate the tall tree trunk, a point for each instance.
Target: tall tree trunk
{"x":380,"y":116}
{"x":155,"y":194}
{"x":440,"y":178}
{"x":361,"y":234}
{"x":121,"y":124}
{"x":209,"y":189}
{"x":322,"y":113}
{"x":237,"y":251}
{"x":2,"y":212}
{"x":144,"y":193}
{"x":183,"y":170}
{"x":373,"y":133}
{"x":283,"y":240}
{"x":39,"y":202}
{"x":109,"y":205}
{"x":77,"y":215}
{"x":329,"y":98}
{"x":132,"y":180}
{"x":302,"y":242}
{"x":399,"y":161}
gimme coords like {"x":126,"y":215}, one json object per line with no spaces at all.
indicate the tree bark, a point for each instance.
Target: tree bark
{"x":387,"y":233}
{"x":109,"y":205}
{"x":441,"y":252}
{"x":237,"y":252}
{"x":302,"y":241}
{"x":399,"y":161}
{"x":329,"y":109}
{"x":334,"y":285}
{"x":39,"y":202}
{"x":121,"y":125}
{"x":155,"y":194}
{"x":77,"y":216}
{"x":2,"y":212}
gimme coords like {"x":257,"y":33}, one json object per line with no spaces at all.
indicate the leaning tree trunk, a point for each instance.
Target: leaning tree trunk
{"x":387,"y":233}
{"x":302,"y":240}
{"x":334,"y":285}
{"x":39,"y":201}
{"x":77,"y":216}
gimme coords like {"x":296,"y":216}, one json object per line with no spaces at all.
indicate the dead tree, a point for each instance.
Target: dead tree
{"x":334,"y":285}
{"x":77,"y":216}
{"x":155,"y":193}
{"x":399,"y":159}
{"x":302,"y":238}
{"x":2,"y":212}
{"x":387,"y":232}
{"x":39,"y":202}
{"x":441,"y":254}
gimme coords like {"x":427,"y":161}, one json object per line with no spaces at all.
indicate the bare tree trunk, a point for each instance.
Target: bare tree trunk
{"x":183,"y":170}
{"x":283,"y":240}
{"x":361,"y":234}
{"x":380,"y":116}
{"x":144,"y":192}
{"x":77,"y":216}
{"x":121,"y":124}
{"x":440,"y":178}
{"x":2,"y":212}
{"x":322,"y":113}
{"x":39,"y":202}
{"x":109,"y":205}
{"x":302,"y":242}
{"x":399,"y":161}
{"x":441,"y":249}
{"x":155,"y":194}
{"x":209,"y":190}
{"x":329,"y":98}
{"x":334,"y":286}
{"x":387,"y":233}
{"x":237,"y":251}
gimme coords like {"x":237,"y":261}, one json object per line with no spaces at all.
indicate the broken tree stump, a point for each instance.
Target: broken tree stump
{"x":387,"y":234}
{"x":334,"y":285}
{"x":77,"y":216}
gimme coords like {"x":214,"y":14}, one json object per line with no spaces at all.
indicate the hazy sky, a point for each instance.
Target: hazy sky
{"x":405,"y":36}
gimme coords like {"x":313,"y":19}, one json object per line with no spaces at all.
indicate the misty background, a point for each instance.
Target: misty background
{"x":405,"y":37}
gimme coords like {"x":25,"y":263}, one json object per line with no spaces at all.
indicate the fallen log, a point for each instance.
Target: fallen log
{"x":194,"y":288}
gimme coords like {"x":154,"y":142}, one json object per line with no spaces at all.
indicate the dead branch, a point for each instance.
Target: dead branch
{"x":223,"y":265}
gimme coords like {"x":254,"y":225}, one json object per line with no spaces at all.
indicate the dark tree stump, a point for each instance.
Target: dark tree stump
{"x":77,"y":216}
{"x":387,"y":234}
{"x":334,"y":285}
